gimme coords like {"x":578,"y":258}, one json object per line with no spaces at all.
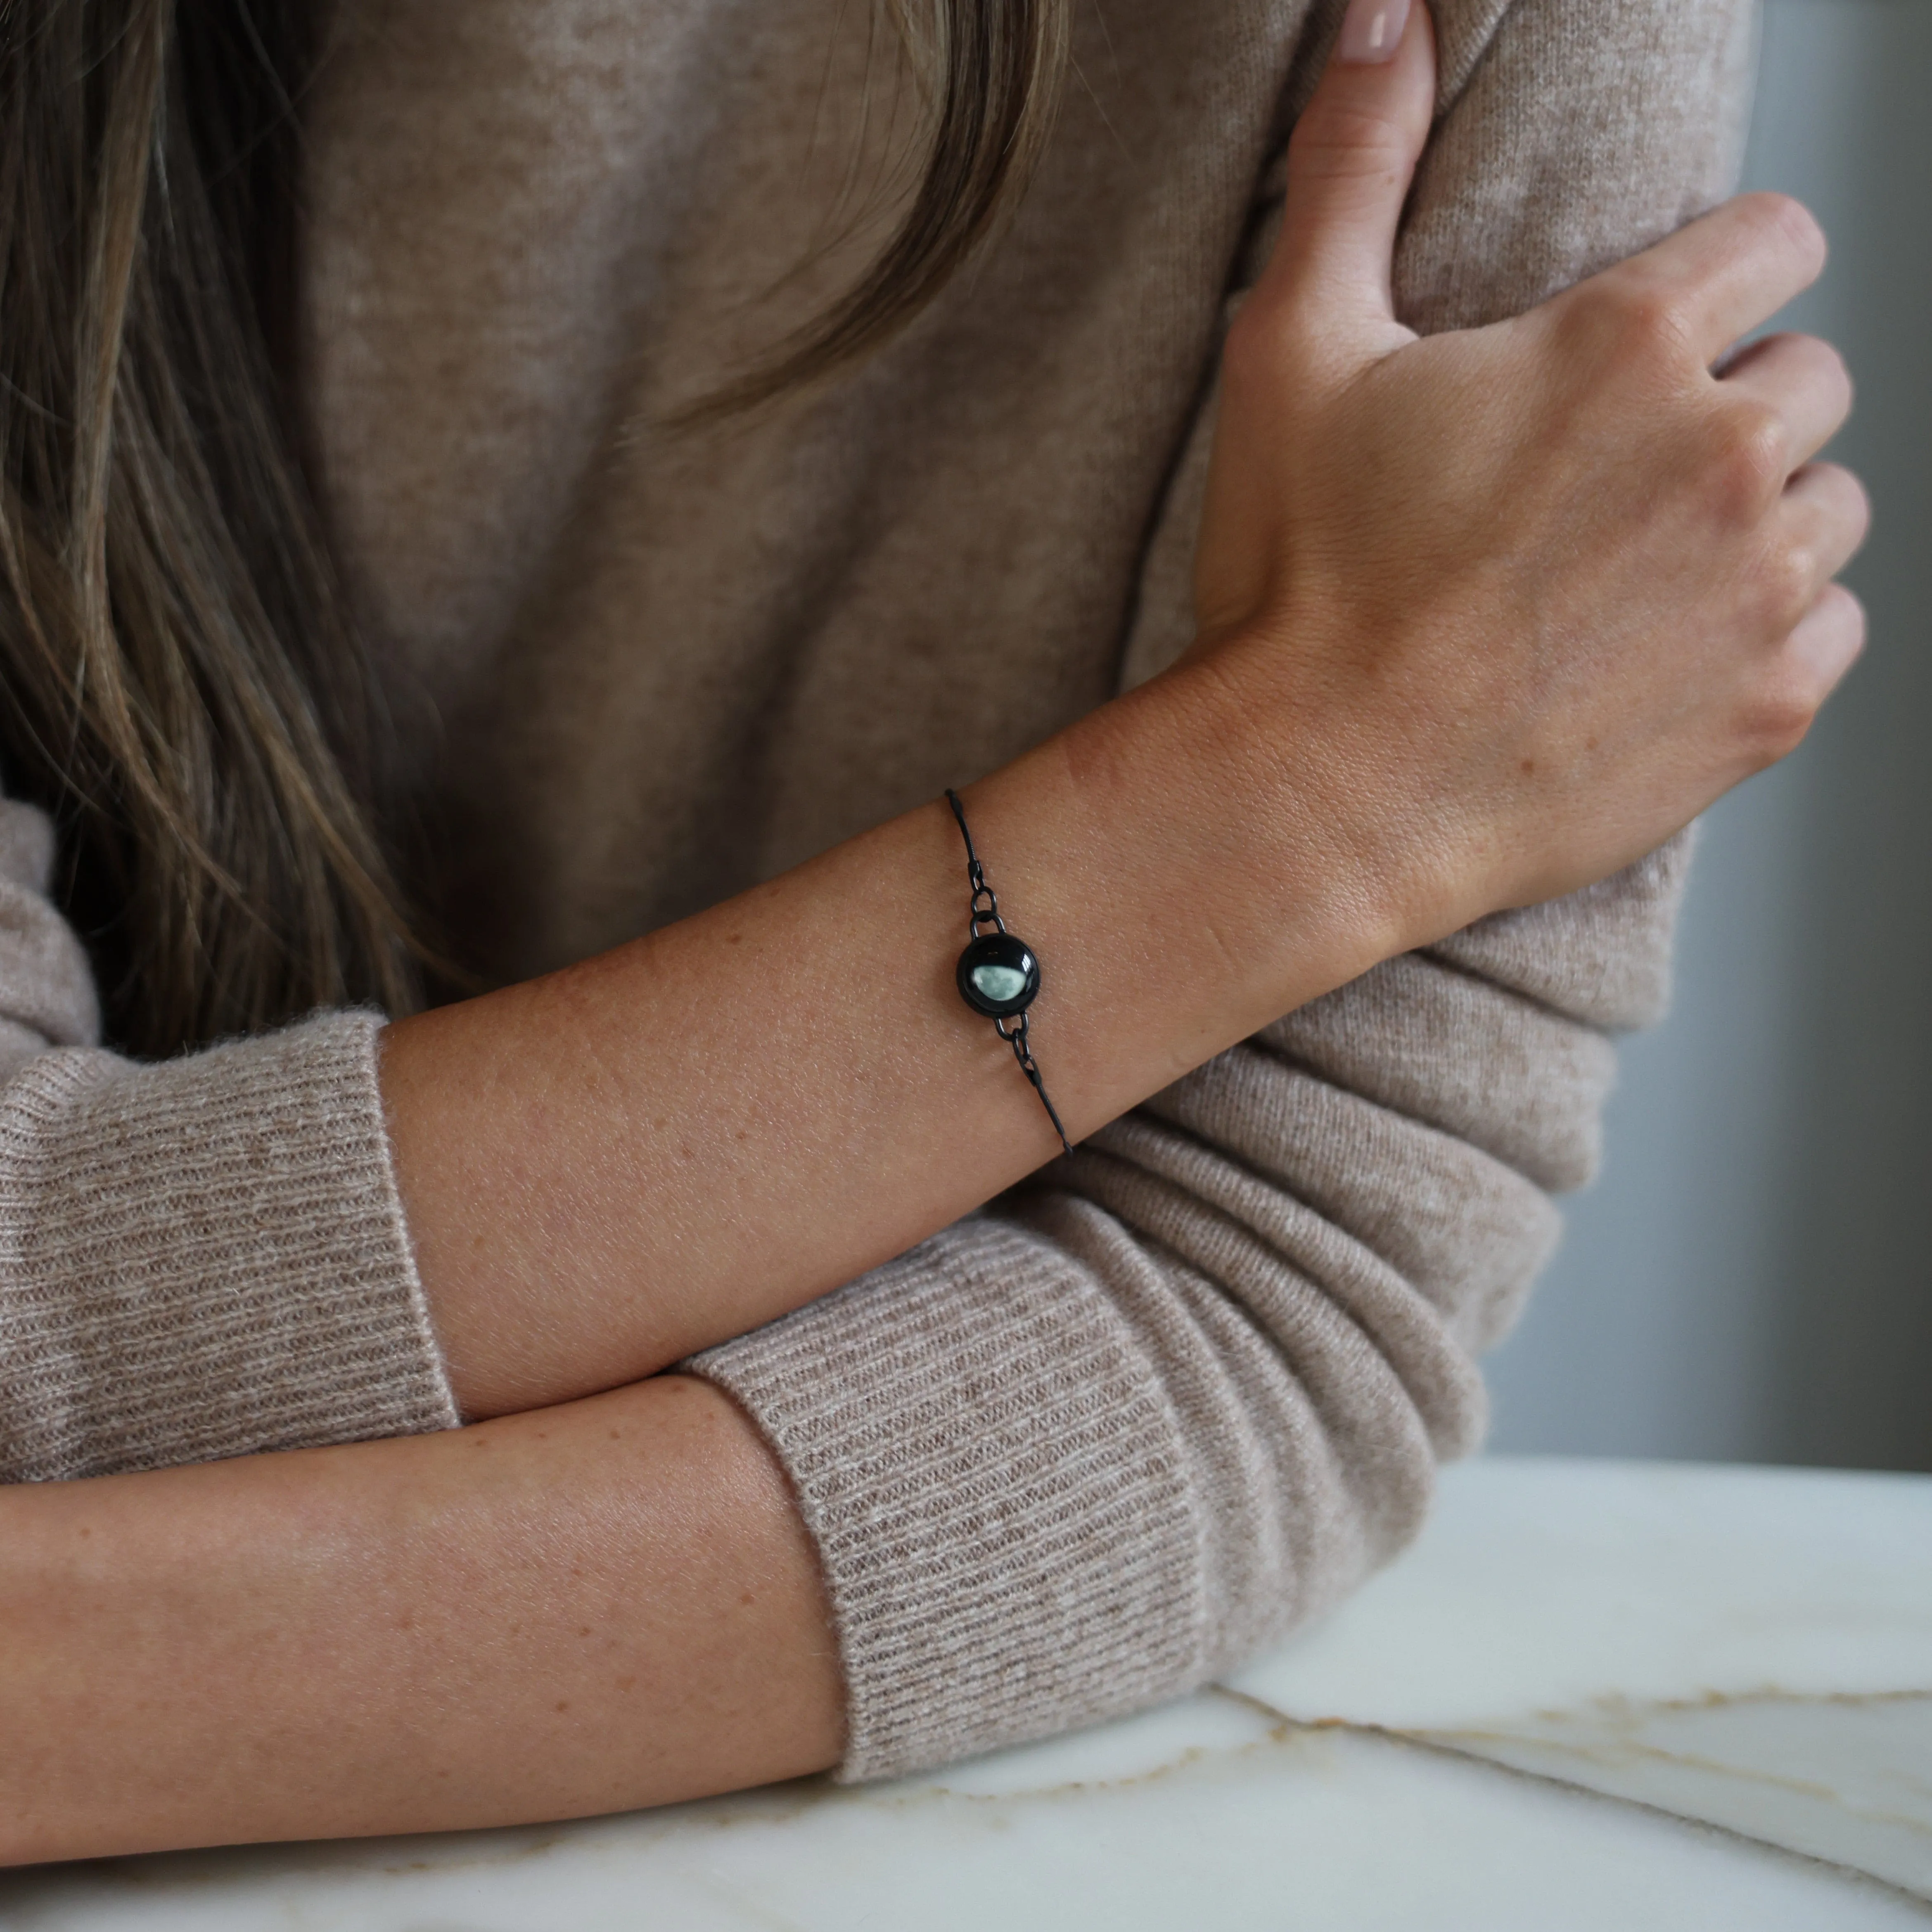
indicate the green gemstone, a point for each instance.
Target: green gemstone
{"x":999,"y":983}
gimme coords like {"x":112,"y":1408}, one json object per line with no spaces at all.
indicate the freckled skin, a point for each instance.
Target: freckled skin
{"x":339,"y":1608}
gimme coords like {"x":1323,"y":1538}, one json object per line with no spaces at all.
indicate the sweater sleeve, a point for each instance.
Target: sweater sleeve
{"x":198,"y":1259}
{"x":1085,"y":1449}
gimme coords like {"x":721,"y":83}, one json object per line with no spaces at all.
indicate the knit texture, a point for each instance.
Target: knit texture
{"x":205,"y":1259}
{"x":1181,"y":1392}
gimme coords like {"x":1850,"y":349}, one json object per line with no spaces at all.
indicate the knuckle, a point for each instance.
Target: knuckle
{"x":1749,"y":458}
{"x":1801,"y":363}
{"x":1843,"y":613}
{"x":1787,"y":586}
{"x":1776,"y":720}
{"x":1811,"y":375}
{"x":1846,"y":612}
{"x":1841,"y":511}
{"x":1834,"y":372}
{"x":1640,"y":319}
{"x":1857,"y":511}
{"x":1783,"y":222}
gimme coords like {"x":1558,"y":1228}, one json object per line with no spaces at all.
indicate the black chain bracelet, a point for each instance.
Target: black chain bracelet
{"x":997,"y":974}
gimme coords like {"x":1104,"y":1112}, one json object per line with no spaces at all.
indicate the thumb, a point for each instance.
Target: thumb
{"x":1351,"y":160}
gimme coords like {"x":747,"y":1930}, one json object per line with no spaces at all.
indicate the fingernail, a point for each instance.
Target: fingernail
{"x":1372,"y":30}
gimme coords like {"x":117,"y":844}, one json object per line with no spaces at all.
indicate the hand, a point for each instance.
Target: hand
{"x":1538,"y":593}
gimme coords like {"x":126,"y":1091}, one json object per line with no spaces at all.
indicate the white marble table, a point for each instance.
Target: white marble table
{"x":1594,"y":1696}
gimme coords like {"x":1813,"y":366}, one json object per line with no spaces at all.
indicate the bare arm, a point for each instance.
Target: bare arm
{"x":610,"y":1169}
{"x":608,"y":1605}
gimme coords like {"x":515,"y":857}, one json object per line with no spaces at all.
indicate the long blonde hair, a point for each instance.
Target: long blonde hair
{"x":183,"y":688}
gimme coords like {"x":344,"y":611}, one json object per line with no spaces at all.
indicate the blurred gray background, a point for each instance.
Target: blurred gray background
{"x":1752,"y":1277}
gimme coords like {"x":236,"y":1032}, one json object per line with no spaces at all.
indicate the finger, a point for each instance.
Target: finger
{"x":1351,"y":160}
{"x":1827,"y":642}
{"x":1732,"y":271}
{"x":1826,"y":511}
{"x":1804,"y":380}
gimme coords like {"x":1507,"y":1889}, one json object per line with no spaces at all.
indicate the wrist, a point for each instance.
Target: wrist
{"x":1253,"y":815}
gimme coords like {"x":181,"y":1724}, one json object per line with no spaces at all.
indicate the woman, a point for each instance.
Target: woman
{"x":787,"y":1451}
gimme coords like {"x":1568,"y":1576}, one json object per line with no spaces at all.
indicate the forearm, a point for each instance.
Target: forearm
{"x":609,"y":1168}
{"x":608,"y":1605}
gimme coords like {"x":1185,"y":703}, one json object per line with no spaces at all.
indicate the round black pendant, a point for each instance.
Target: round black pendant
{"x":998,"y":975}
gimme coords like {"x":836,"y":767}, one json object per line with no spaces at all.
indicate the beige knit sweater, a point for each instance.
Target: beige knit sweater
{"x":1088,"y":1446}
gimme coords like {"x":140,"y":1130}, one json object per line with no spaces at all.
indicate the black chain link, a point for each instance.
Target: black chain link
{"x":986,"y":915}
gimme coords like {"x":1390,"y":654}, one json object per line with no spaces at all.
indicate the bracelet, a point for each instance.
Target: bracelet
{"x":997,"y":974}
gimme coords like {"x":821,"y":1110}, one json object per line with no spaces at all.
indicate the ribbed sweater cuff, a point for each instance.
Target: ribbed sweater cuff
{"x":994,"y":1481}
{"x":205,"y":1257}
